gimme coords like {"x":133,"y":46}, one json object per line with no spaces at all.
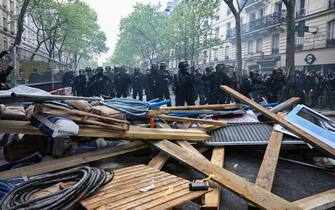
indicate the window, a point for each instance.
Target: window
{"x":299,"y":42}
{"x":300,"y":8}
{"x":250,"y":46}
{"x":5,"y":44}
{"x":229,"y":31}
{"x":12,"y":6}
{"x":216,"y":58}
{"x":4,"y":23}
{"x":205,"y":57}
{"x":259,"y":45}
{"x":261,"y":13}
{"x":252,"y":17}
{"x":226,"y":52}
{"x":217,"y":32}
{"x":4,"y":3}
{"x":278,"y":8}
{"x":331,"y":29}
{"x":331,"y":33}
{"x":275,"y":43}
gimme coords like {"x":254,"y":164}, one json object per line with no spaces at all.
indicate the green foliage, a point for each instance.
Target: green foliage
{"x":68,"y":26}
{"x":87,"y":63}
{"x":148,"y":33}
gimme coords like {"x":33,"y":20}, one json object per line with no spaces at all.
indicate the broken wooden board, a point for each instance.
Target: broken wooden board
{"x":123,"y":192}
{"x":212,"y":199}
{"x":322,"y":201}
{"x":247,"y":190}
{"x":198,"y":107}
{"x":134,"y":133}
{"x":193,"y":120}
{"x":268,"y":167}
{"x":304,"y":135}
{"x":75,"y":160}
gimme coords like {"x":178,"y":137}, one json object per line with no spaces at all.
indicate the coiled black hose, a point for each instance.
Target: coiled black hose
{"x":89,"y":179}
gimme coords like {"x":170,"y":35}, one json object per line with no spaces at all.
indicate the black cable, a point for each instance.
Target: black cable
{"x":89,"y":179}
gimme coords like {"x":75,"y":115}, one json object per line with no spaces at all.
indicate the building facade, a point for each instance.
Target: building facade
{"x":264,"y":35}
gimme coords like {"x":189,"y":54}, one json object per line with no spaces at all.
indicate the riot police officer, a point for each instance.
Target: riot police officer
{"x":155,"y":83}
{"x":100,"y":83}
{"x":122,"y":82}
{"x":220,"y":78}
{"x":79,"y":84}
{"x":166,"y":81}
{"x":137,"y":84}
{"x":183,"y":85}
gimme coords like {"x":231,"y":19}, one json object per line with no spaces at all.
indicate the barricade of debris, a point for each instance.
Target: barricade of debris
{"x":47,"y":142}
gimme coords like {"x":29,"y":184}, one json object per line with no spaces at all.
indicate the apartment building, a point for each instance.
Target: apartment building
{"x":264,"y":35}
{"x":9,"y":10}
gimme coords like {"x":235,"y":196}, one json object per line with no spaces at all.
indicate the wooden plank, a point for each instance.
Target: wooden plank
{"x":138,"y":198}
{"x":249,"y":191}
{"x":268,"y":167}
{"x":322,"y":201}
{"x":62,"y":163}
{"x":129,"y":194}
{"x":130,"y":185}
{"x":304,"y":135}
{"x":188,"y":119}
{"x":159,"y":160}
{"x":212,"y":199}
{"x":24,"y":127}
{"x":198,"y":107}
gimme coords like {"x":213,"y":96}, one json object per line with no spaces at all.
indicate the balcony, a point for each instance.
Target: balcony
{"x":264,"y":22}
{"x":330,"y":42}
{"x":299,"y":46}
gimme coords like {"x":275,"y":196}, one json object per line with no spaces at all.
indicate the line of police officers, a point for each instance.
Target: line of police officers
{"x":188,"y":85}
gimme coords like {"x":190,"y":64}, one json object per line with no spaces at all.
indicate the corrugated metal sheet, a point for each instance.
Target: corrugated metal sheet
{"x":245,"y":134}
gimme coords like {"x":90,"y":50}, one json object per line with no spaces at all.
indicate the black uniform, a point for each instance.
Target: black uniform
{"x":274,"y":84}
{"x":220,"y":78}
{"x":137,"y":84}
{"x":206,"y":86}
{"x":79,"y":84}
{"x":184,"y":85}
{"x":155,"y":83}
{"x":100,"y":83}
{"x":198,"y":84}
{"x":122,"y":82}
{"x":166,"y":81}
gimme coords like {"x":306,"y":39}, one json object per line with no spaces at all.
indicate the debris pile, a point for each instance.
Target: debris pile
{"x":47,"y":138}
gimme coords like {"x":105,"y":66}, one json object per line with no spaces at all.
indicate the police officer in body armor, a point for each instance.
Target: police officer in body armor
{"x":122,"y":82}
{"x":274,"y":84}
{"x":100,"y":83}
{"x":166,"y":80}
{"x":79,"y":84}
{"x":220,"y":77}
{"x":206,"y":81}
{"x":183,"y":85}
{"x":155,"y":83}
{"x":110,"y":75}
{"x":137,"y":84}
{"x":198,"y":84}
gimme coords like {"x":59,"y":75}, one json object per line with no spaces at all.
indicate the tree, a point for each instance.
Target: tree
{"x":68,"y":26}
{"x":290,"y":44}
{"x":190,"y":31}
{"x":142,"y":36}
{"x":236,"y":11}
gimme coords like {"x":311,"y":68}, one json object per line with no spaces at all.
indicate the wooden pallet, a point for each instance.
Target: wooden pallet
{"x":123,"y":191}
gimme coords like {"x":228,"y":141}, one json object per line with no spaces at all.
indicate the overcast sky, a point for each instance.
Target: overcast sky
{"x":110,"y":13}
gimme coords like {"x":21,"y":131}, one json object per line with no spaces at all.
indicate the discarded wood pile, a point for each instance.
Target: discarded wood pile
{"x":181,"y":136}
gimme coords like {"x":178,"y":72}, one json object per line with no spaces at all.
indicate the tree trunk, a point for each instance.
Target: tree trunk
{"x":238,"y":45}
{"x":290,"y":45}
{"x":20,"y":22}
